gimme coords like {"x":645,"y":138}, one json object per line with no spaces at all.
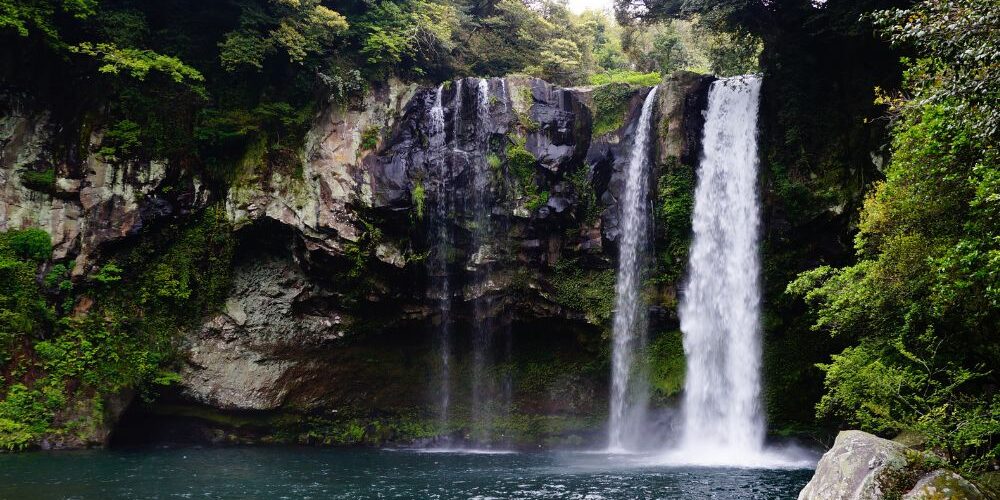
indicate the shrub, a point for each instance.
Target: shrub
{"x":610,"y":107}
{"x":32,"y":243}
{"x":43,"y":182}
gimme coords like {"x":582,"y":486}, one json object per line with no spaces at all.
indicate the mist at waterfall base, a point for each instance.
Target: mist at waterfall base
{"x":720,"y":423}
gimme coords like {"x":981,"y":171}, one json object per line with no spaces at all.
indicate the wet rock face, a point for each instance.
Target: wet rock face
{"x":564,"y":123}
{"x":349,"y":281}
{"x":861,"y":466}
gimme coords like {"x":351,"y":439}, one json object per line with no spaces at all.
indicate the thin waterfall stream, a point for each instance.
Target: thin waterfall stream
{"x":463,"y":183}
{"x":629,"y":389}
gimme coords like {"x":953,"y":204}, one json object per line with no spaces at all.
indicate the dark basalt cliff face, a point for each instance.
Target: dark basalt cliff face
{"x":327,"y":331}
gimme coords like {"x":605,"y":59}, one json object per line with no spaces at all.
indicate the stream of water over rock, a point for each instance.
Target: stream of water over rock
{"x":461,"y":211}
{"x":629,"y":390}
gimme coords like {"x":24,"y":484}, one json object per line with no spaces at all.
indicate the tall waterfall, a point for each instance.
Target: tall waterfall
{"x":483,"y":398}
{"x":440,"y":280}
{"x":720,"y":306}
{"x":629,"y":389}
{"x":457,"y":167}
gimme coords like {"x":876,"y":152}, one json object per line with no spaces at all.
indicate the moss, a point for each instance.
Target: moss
{"x":370,"y":137}
{"x":526,"y":122}
{"x":523,"y":166}
{"x":586,"y":195}
{"x":495,"y":163}
{"x":610,"y":107}
{"x":521,"y":429}
{"x":667,"y":364}
{"x":536,"y":201}
{"x":589,"y":291}
{"x":419,"y":198}
{"x":43,"y":181}
{"x":675,"y":203}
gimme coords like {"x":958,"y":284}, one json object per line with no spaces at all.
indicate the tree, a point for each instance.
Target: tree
{"x":921,"y":305}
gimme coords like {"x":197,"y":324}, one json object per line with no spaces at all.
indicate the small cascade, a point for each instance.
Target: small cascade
{"x":629,"y":389}
{"x":479,"y":215}
{"x":465,"y":184}
{"x":720,"y":306}
{"x":491,"y":334}
{"x":440,"y":279}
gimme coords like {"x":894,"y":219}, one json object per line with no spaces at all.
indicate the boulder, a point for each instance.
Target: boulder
{"x":943,"y":484}
{"x":861,"y":466}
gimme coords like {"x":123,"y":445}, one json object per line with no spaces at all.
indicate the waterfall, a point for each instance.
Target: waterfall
{"x":629,"y":390}
{"x":464,"y":202}
{"x":482,"y":417}
{"x":720,"y":305}
{"x":440,"y":281}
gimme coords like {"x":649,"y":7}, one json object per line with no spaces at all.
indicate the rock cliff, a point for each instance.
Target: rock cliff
{"x":329,"y":310}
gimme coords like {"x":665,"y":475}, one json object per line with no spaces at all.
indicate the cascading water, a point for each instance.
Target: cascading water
{"x":720,"y":306}
{"x":440,"y":280}
{"x":463,"y":182}
{"x":629,"y":390}
{"x":482,"y":416}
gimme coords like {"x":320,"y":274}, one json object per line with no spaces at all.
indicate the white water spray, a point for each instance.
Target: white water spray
{"x":720,"y":306}
{"x":629,"y":390}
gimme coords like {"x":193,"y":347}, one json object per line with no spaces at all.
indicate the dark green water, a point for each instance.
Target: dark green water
{"x":339,"y":474}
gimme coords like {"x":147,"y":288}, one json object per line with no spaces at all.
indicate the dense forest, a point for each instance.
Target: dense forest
{"x":880,"y":178}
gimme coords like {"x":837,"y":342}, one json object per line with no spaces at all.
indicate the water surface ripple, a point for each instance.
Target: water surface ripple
{"x":361,"y":474}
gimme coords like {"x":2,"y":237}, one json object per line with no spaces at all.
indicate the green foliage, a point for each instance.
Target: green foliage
{"x":237,"y":143}
{"x":299,"y":28}
{"x":419,"y":199}
{"x":560,"y":62}
{"x":667,"y":364}
{"x":523,"y":166}
{"x":369,"y":138}
{"x":536,"y":201}
{"x":960,"y":37}
{"x":627,"y":77}
{"x":588,"y":291}
{"x":734,"y":53}
{"x":138,"y":63}
{"x":43,"y":181}
{"x":414,"y":30}
{"x":23,"y":309}
{"x":921,"y":304}
{"x":125,"y":341}
{"x":32,"y":244}
{"x":121,"y":142}
{"x":610,"y":106}
{"x":494,"y":162}
{"x":587,"y":198}
{"x":23,"y":17}
{"x":109,"y":273}
{"x":674,"y":208}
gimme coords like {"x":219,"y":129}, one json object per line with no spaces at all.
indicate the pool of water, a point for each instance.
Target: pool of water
{"x":352,"y":474}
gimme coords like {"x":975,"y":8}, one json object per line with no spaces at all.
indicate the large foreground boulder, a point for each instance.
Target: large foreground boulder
{"x":861,"y":466}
